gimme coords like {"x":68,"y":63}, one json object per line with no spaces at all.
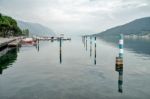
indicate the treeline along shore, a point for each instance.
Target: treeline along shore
{"x":9,"y":27}
{"x":10,"y":32}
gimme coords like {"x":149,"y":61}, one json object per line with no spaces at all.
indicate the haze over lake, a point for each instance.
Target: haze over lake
{"x":74,"y":49}
{"x":39,"y":74}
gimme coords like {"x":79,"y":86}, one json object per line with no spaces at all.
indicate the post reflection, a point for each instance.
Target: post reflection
{"x":83,"y":40}
{"x":60,"y":50}
{"x":95,"y":52}
{"x":7,"y":59}
{"x":120,"y":79}
{"x":52,"y":39}
{"x":90,"y":46}
{"x":37,"y":45}
{"x":86,"y":43}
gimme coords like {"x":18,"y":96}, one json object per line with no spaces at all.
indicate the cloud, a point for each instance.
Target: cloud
{"x":76,"y":16}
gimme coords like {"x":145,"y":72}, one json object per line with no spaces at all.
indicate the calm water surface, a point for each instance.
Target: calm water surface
{"x":77,"y":71}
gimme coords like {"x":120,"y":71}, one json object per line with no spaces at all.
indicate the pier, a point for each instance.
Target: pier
{"x":6,"y":42}
{"x":15,"y":43}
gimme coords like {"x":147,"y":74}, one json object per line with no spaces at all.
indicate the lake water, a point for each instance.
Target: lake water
{"x":77,"y":71}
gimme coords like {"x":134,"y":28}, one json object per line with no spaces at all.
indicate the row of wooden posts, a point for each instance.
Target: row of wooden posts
{"x":119,"y":58}
{"x":84,"y":39}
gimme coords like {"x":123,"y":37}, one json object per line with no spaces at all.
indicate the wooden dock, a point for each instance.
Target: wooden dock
{"x":56,"y":38}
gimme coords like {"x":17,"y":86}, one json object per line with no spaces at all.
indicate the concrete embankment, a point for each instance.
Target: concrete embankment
{"x":5,"y":41}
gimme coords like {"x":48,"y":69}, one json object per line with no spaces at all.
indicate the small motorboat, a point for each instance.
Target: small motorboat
{"x":29,"y":41}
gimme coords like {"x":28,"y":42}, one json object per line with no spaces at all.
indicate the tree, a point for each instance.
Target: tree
{"x":8,"y":26}
{"x":25,"y":32}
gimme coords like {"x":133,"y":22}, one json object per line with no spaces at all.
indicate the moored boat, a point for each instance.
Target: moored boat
{"x":29,"y":41}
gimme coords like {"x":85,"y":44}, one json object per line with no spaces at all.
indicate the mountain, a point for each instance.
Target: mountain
{"x":137,"y":27}
{"x":136,"y":35}
{"x":36,"y":29}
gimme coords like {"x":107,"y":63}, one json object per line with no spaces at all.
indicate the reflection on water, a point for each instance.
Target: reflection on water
{"x":7,"y":59}
{"x":139,"y":46}
{"x":120,"y":81}
{"x":44,"y":77}
{"x":85,"y":42}
{"x":38,"y":45}
{"x":90,"y":46}
{"x":60,"y":50}
{"x":95,"y":52}
{"x":120,"y":78}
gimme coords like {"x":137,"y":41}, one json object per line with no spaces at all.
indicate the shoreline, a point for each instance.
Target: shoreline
{"x":5,"y":41}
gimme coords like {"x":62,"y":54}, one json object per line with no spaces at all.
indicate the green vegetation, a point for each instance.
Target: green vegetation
{"x":8,"y":27}
{"x":25,"y":32}
{"x":8,"y":59}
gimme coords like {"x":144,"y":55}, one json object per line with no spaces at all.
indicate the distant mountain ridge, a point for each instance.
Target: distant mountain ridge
{"x":137,"y":27}
{"x":36,"y":29}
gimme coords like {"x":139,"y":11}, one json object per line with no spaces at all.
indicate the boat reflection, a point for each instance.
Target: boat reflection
{"x":7,"y":59}
{"x":32,"y":44}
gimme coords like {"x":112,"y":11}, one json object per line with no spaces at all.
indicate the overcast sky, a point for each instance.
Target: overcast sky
{"x":76,"y":16}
